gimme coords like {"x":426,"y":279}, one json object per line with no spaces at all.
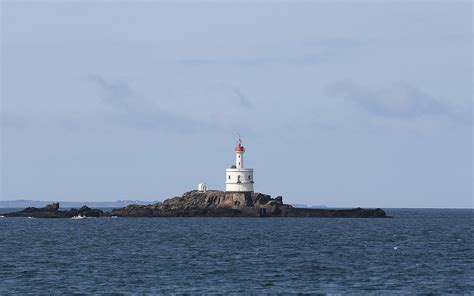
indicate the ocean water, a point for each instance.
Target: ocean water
{"x":419,"y":251}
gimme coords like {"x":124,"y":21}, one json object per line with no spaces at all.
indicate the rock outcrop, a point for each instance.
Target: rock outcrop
{"x":212,"y":203}
{"x":234,"y":204}
{"x":52,"y":211}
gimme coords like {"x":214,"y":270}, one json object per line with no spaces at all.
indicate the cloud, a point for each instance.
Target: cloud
{"x":116,"y":93}
{"x":299,"y":59}
{"x":400,"y":100}
{"x":234,"y":94}
{"x":11,"y":121}
{"x":136,"y":111}
{"x":290,"y":53}
{"x":243,"y":101}
{"x":229,"y":61}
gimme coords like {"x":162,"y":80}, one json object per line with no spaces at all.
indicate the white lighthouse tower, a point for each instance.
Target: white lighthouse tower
{"x":238,"y":178}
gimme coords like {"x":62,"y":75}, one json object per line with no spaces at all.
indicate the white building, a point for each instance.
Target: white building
{"x":202,"y":187}
{"x":238,"y":178}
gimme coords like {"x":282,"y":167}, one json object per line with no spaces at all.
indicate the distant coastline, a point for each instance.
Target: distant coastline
{"x":24,"y":203}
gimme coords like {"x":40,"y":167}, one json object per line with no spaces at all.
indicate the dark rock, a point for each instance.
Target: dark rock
{"x":52,"y":211}
{"x":328,"y":213}
{"x":88,"y":212}
{"x":53,"y":207}
{"x":215,"y":203}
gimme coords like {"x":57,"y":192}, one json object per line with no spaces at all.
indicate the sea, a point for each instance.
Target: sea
{"x":420,"y":251}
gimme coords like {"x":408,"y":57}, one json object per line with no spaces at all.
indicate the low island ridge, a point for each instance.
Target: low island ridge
{"x":212,"y":203}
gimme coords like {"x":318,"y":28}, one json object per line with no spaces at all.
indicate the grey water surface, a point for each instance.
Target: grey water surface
{"x":418,"y":251}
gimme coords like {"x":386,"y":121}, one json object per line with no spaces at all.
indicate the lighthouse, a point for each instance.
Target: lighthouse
{"x":238,"y":178}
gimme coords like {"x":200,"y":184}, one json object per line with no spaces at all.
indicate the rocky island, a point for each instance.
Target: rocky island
{"x":52,"y":211}
{"x":237,"y":200}
{"x":212,"y":203}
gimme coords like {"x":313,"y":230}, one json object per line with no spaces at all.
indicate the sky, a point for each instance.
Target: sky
{"x":343,"y":104}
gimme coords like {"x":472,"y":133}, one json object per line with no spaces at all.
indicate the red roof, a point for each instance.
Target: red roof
{"x":239,"y":148}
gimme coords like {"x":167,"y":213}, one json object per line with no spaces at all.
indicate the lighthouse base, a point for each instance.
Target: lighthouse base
{"x":239,"y":180}
{"x":239,"y":187}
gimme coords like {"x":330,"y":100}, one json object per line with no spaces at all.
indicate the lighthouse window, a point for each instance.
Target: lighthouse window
{"x":229,"y":177}
{"x":249,"y":177}
{"x":239,"y":162}
{"x":239,"y":155}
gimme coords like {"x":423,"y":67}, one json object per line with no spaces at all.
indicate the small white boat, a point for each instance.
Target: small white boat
{"x":79,"y":217}
{"x":114,"y":217}
{"x":1,"y":216}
